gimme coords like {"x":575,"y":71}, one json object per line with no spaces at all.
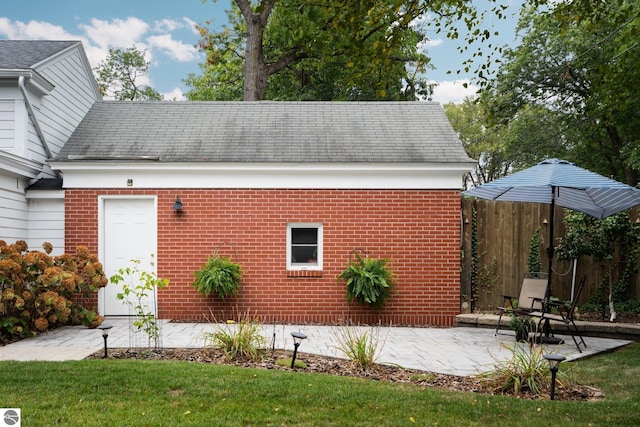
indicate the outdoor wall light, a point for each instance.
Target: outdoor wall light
{"x":105,"y":334}
{"x":554,"y":363}
{"x":297,"y":339}
{"x":177,"y":205}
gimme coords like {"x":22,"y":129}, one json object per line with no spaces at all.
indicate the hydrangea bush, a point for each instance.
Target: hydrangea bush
{"x":39,"y":292}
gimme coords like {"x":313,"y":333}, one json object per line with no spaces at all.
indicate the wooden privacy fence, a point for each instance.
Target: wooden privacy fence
{"x":504,"y":231}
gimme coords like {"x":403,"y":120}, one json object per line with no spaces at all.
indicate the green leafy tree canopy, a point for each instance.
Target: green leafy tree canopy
{"x":576,"y":68}
{"x":366,"y":50}
{"x":118,"y":76}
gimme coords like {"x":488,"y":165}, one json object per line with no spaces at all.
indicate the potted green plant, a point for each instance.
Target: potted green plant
{"x":369,"y":281}
{"x":522,"y":325}
{"x":219,"y":276}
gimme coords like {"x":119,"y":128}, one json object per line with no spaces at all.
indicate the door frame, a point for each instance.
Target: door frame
{"x":101,"y":239}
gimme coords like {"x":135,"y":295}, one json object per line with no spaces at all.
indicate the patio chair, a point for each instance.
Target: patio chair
{"x":532,"y":293}
{"x":562,"y":314}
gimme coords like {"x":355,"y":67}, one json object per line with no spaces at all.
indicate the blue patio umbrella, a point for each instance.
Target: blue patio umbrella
{"x":562,"y":183}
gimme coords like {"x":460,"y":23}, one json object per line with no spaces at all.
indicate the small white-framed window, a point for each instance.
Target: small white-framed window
{"x":304,"y":246}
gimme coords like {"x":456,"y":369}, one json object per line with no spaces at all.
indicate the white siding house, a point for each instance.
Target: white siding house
{"x":46,"y":88}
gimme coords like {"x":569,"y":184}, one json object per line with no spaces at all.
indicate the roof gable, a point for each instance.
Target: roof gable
{"x":266,"y":132}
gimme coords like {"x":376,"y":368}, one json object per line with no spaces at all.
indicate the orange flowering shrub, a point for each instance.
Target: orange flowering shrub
{"x":37,"y":289}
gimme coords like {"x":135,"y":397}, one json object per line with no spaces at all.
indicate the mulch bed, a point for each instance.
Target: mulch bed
{"x":341,"y":367}
{"x":631,"y":318}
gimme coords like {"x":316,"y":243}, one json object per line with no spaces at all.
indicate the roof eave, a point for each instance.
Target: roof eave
{"x":154,"y":175}
{"x":19,"y":166}
{"x":153,"y":163}
{"x":34,"y":80}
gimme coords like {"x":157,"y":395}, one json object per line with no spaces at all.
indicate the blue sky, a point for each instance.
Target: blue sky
{"x":165,"y":28}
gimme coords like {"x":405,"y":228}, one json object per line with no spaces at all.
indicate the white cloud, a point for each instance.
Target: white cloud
{"x":33,"y":30}
{"x":95,"y":54}
{"x":175,"y":95}
{"x":425,"y":45}
{"x":191,"y":25}
{"x":432,"y":43}
{"x":116,"y":33}
{"x":177,"y":50}
{"x":167,"y":25}
{"x":453,"y":91}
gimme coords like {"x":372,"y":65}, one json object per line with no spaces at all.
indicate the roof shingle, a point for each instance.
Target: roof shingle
{"x":266,"y":132}
{"x":24,"y":54}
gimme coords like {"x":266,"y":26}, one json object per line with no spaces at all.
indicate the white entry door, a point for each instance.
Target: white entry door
{"x":129,"y":231}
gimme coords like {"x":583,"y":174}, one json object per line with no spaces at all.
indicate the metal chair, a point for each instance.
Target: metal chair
{"x":532,"y":293}
{"x":563,"y":314}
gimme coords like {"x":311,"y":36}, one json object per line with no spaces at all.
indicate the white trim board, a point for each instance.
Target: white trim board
{"x":306,"y":176}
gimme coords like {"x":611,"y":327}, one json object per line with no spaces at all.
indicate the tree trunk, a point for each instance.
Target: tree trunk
{"x":255,"y":78}
{"x":612,"y":308}
{"x":255,"y":69}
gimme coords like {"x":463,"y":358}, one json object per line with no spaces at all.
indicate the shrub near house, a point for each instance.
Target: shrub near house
{"x":40,"y":292}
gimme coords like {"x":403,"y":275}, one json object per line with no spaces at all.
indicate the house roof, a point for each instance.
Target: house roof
{"x":25,"y":54}
{"x":265,"y":132}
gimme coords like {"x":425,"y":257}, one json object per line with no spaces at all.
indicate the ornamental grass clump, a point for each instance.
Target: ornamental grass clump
{"x":219,"y":275}
{"x":241,"y":340}
{"x":362,"y":347}
{"x":369,"y":281}
{"x":527,"y":371}
{"x":39,"y":292}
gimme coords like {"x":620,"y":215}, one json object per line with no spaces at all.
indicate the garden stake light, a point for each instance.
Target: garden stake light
{"x":297,"y":339}
{"x":105,"y":334}
{"x":554,"y":363}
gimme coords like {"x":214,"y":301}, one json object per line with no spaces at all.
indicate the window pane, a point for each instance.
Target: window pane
{"x":303,"y":254}
{"x":304,"y":236}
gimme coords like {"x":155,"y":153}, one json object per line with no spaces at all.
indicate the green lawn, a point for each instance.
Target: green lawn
{"x":155,"y":393}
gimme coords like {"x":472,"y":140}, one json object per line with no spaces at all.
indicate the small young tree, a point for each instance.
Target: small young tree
{"x":138,"y":288}
{"x":534,"y":262}
{"x":118,"y":76}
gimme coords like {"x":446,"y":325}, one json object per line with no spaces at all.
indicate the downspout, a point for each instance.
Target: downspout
{"x":36,"y":125}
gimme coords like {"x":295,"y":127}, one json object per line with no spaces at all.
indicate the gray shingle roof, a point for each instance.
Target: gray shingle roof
{"x":266,"y":132}
{"x":24,"y":54}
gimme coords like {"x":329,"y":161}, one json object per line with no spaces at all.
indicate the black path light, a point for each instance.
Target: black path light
{"x":105,"y":334}
{"x":297,"y":339}
{"x":554,"y":363}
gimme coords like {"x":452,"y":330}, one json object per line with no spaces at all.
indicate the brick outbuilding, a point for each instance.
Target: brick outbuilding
{"x":380,"y":178}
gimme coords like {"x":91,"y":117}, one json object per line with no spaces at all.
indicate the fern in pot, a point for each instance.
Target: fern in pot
{"x":369,"y":281}
{"x":219,"y":276}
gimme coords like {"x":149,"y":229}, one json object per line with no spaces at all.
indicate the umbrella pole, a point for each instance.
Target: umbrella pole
{"x":546,"y":328}
{"x":550,"y":244}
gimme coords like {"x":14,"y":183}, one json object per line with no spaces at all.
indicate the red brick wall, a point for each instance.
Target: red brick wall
{"x":417,"y":230}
